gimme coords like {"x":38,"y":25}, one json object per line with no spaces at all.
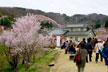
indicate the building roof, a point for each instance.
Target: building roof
{"x":57,"y":32}
{"x":78,"y":33}
{"x":60,"y":32}
{"x":77,"y":25}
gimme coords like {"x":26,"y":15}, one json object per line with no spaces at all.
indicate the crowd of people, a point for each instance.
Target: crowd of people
{"x":86,"y":48}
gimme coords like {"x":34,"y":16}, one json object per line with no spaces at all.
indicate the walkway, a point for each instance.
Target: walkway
{"x":63,"y":64}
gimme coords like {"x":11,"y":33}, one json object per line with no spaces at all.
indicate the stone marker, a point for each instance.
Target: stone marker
{"x":51,"y":64}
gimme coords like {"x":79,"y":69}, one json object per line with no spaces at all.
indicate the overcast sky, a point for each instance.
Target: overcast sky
{"x":68,"y":7}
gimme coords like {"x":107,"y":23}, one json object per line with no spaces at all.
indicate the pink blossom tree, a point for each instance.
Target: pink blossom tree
{"x":102,"y":37}
{"x":23,"y":39}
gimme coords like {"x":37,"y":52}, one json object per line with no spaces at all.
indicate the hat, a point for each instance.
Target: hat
{"x":99,"y":40}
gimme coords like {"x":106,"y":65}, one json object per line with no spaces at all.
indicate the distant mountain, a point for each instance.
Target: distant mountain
{"x":62,"y":19}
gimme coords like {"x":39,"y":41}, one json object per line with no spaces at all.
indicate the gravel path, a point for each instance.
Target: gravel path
{"x":63,"y":64}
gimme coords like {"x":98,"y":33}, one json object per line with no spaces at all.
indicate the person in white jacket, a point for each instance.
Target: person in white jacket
{"x":98,"y":48}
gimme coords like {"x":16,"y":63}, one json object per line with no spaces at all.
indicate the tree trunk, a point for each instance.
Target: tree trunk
{"x":14,"y":63}
{"x":33,"y":57}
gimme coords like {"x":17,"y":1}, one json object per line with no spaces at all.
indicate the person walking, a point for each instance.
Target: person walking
{"x":89,"y":49}
{"x":84,"y":40}
{"x":63,"y":46}
{"x":98,"y":48}
{"x":78,"y":46}
{"x":105,"y":54}
{"x":67,"y":46}
{"x":95,"y":41}
{"x":83,"y":54}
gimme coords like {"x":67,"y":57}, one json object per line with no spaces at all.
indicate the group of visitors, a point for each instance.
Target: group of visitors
{"x":86,"y":50}
{"x":69,"y":46}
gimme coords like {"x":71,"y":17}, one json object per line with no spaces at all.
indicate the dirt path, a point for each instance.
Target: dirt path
{"x":63,"y":64}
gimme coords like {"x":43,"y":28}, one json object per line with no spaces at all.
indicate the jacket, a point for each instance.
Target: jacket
{"x":89,"y":47}
{"x":83,"y":55}
{"x":105,"y":54}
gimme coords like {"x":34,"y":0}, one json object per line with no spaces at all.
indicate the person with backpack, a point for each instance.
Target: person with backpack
{"x":98,"y":48}
{"x":80,"y":58}
{"x":105,"y":54}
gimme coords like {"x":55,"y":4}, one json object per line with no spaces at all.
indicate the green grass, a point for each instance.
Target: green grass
{"x":43,"y":58}
{"x":41,"y":64}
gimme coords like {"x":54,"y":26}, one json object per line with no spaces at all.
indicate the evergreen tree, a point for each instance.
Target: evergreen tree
{"x":98,"y":25}
{"x":7,"y":21}
{"x":46,"y":25}
{"x":106,"y":24}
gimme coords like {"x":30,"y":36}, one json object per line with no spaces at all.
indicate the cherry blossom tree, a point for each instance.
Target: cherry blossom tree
{"x":23,"y":39}
{"x":102,"y":37}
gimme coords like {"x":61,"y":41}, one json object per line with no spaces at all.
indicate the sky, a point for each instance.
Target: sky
{"x":69,"y":7}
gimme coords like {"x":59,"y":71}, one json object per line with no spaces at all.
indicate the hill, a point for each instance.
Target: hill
{"x":62,"y":19}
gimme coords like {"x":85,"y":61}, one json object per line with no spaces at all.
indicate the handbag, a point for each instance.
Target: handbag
{"x":78,"y":58}
{"x":101,"y":50}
